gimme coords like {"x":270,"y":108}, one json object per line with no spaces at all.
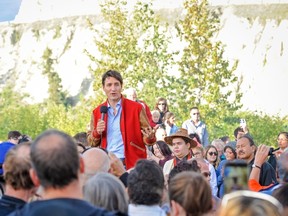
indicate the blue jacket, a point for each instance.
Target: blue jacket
{"x":4,"y":148}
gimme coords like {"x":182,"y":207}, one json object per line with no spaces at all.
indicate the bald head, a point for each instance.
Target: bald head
{"x":55,"y":159}
{"x":95,"y":160}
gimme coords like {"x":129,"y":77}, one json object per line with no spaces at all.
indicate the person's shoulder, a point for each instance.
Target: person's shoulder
{"x":6,"y":144}
{"x":268,"y":166}
{"x":131,"y":104}
{"x":72,"y":207}
{"x":222,"y":163}
{"x":168,"y":164}
{"x":102,"y":104}
{"x":186,"y":122}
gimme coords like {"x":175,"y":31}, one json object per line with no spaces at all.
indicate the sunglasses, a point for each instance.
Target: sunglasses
{"x":213,"y":153}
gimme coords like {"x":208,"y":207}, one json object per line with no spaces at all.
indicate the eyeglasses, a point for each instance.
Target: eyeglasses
{"x":206,"y":174}
{"x":196,"y":153}
{"x":213,"y":153}
{"x":281,"y":140}
{"x":162,"y":104}
{"x":16,"y":138}
{"x":195,"y":113}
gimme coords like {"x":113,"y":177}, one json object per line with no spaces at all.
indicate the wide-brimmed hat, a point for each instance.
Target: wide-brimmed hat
{"x":181,"y":133}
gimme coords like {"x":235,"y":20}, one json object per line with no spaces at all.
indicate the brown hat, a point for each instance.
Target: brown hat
{"x":181,"y":133}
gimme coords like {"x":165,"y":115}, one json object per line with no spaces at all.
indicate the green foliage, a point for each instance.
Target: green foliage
{"x":206,"y":78}
{"x":264,"y":128}
{"x":36,"y":33}
{"x":57,"y":32}
{"x":135,"y":45}
{"x":34,"y":119}
{"x":15,"y":36}
{"x":56,"y":95}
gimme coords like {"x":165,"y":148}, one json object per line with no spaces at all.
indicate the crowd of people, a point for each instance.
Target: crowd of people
{"x":134,"y":161}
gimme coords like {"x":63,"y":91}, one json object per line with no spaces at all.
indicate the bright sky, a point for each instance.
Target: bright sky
{"x":9,"y":9}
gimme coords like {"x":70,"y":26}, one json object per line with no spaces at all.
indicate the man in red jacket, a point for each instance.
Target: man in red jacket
{"x":125,"y":128}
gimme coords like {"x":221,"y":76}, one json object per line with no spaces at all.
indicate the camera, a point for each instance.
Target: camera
{"x":271,"y":151}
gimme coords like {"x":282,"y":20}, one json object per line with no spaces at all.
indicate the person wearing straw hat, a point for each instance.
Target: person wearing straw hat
{"x":181,"y":145}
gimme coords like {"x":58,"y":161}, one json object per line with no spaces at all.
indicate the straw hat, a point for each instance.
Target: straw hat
{"x":180,"y":133}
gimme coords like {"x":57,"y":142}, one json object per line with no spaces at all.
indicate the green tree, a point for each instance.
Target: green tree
{"x":135,"y":45}
{"x":56,"y":94}
{"x":206,"y":77}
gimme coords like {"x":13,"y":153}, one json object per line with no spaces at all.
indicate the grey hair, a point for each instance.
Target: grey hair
{"x":106,"y":191}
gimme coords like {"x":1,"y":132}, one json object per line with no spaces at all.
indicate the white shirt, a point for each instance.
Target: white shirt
{"x":145,"y":210}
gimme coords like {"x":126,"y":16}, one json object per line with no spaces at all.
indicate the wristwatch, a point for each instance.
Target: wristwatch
{"x":254,"y":165}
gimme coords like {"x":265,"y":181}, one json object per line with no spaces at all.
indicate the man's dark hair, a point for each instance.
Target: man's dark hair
{"x":224,"y":138}
{"x":112,"y":73}
{"x":237,"y":130}
{"x":194,"y":107}
{"x":184,"y":166}
{"x":55,"y":159}
{"x":251,"y":142}
{"x":14,"y":134}
{"x":146,"y":183}
{"x":195,"y":135}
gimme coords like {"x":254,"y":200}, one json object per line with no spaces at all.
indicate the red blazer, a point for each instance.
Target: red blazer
{"x":133,"y":119}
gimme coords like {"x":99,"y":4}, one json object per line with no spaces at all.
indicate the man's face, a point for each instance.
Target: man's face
{"x":197,"y":153}
{"x":195,"y":115}
{"x":112,"y":88}
{"x":244,"y":150}
{"x":180,"y":148}
{"x":15,"y":140}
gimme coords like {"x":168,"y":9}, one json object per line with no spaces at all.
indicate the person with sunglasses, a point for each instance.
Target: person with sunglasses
{"x":195,"y":125}
{"x":211,"y":156}
{"x":162,"y":106}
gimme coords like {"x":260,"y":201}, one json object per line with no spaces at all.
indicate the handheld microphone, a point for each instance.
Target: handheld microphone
{"x":103,"y":110}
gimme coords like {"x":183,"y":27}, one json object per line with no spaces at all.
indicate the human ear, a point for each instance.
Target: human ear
{"x":34,"y":177}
